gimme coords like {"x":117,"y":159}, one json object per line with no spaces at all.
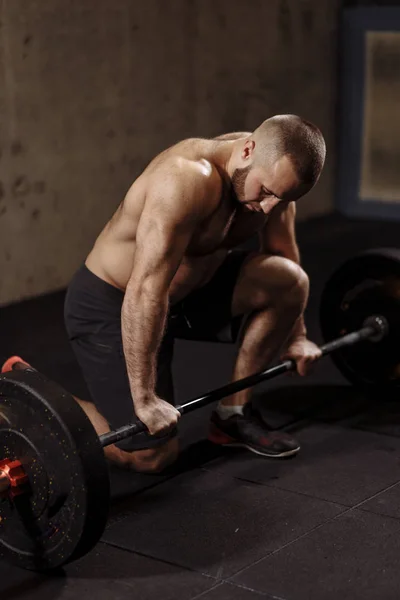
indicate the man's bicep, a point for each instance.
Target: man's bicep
{"x":160,"y":248}
{"x":166,"y":226}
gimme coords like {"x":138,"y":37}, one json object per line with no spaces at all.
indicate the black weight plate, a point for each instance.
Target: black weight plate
{"x":368,"y":284}
{"x":63,"y":513}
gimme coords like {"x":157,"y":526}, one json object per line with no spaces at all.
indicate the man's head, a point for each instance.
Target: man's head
{"x":281,"y":161}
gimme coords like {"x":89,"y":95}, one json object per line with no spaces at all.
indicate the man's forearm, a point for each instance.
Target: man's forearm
{"x":143,"y":323}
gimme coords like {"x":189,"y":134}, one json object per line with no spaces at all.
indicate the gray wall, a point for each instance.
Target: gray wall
{"x":90,"y":90}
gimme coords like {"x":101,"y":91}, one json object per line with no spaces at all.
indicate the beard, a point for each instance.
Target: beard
{"x":238,"y":180}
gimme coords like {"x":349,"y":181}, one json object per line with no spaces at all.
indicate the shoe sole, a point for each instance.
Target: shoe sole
{"x":255,"y":451}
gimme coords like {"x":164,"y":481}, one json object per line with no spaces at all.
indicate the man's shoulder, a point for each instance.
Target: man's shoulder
{"x":233,"y":136}
{"x":191,"y":186}
{"x":179,"y":171}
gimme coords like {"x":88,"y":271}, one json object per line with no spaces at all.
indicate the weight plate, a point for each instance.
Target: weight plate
{"x":366,"y":285}
{"x":63,"y":511}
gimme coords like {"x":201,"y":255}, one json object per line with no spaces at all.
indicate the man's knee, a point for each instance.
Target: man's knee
{"x":154,"y":460}
{"x":294,"y":284}
{"x":271,"y":280}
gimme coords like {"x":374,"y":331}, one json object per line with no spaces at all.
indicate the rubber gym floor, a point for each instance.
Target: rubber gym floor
{"x":230,"y":525}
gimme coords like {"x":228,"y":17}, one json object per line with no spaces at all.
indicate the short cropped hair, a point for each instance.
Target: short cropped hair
{"x":296,"y":138}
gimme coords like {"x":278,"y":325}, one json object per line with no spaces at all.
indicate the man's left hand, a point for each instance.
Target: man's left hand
{"x":303,"y":352}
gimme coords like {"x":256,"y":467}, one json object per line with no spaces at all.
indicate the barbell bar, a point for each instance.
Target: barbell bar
{"x":374,"y":329}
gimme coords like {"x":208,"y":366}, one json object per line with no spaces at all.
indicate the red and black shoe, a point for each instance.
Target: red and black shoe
{"x":252,"y":432}
{"x":14,"y":362}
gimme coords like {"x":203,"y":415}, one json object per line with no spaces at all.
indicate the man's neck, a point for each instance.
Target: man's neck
{"x":222,"y":155}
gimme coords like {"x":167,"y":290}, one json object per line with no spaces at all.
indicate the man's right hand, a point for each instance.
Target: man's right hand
{"x":158,"y":415}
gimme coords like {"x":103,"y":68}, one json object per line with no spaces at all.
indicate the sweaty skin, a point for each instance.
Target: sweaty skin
{"x":173,"y":230}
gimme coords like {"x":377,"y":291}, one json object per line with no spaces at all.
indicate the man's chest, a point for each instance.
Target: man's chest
{"x":230,"y":226}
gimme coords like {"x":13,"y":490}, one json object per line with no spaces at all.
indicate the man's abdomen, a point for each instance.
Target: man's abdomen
{"x":194,"y":272}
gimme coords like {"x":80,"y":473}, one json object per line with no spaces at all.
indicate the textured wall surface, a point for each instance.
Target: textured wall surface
{"x":90,"y":90}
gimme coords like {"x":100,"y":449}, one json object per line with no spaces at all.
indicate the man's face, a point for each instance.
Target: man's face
{"x":260,"y":189}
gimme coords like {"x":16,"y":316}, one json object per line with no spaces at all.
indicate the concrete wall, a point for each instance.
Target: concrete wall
{"x":90,"y":90}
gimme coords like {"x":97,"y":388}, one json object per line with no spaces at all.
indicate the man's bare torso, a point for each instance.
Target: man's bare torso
{"x":228,"y":224}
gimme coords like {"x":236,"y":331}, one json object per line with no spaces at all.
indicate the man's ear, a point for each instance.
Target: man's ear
{"x":248,"y":149}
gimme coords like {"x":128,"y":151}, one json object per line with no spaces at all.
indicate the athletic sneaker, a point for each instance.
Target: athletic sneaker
{"x":14,"y":362}
{"x":251,"y":432}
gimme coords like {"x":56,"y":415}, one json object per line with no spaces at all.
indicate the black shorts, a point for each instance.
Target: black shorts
{"x":93,"y":321}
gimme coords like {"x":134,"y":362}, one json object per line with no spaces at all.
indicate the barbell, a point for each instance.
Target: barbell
{"x":54,"y":483}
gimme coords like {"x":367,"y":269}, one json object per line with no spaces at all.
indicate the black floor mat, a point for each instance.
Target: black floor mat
{"x":353,"y":557}
{"x":335,"y":463}
{"x":215,"y":524}
{"x":107,"y":573}
{"x":387,"y":503}
{"x":229,"y":591}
